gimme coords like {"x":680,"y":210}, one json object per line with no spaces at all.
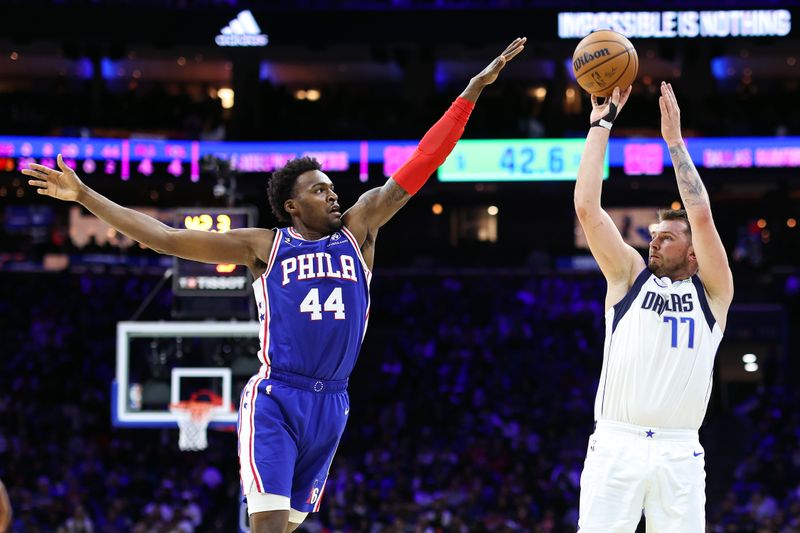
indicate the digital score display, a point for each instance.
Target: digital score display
{"x":651,"y":156}
{"x":514,"y":160}
{"x":191,"y":278}
{"x":115,"y":157}
{"x":249,"y":157}
{"x":471,"y":160}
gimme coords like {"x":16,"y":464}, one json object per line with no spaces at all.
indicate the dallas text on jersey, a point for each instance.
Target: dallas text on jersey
{"x":676,"y":303}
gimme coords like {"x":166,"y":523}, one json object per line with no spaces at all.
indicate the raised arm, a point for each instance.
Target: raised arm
{"x":376,"y":206}
{"x":5,"y":509}
{"x":712,"y":260}
{"x":619,"y":262}
{"x":240,"y":246}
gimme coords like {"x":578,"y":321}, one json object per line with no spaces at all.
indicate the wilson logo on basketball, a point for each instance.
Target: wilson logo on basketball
{"x":587,"y":58}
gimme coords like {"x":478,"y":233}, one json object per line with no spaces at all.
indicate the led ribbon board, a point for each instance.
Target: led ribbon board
{"x":515,"y":160}
{"x":472,"y":160}
{"x":678,"y":24}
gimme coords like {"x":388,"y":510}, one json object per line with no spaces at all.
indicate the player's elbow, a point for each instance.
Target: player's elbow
{"x":700,"y":215}
{"x":581,"y":209}
{"x":585,"y":208}
{"x":727,"y":285}
{"x":165,"y":241}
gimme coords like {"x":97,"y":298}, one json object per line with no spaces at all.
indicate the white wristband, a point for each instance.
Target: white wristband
{"x":605,"y":124}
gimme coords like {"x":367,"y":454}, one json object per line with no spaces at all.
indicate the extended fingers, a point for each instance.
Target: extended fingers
{"x":672,"y":97}
{"x":497,"y":64}
{"x":669,"y":97}
{"x":663,"y":100}
{"x":615,"y":96}
{"x":514,"y":44}
{"x":513,"y":53}
{"x":34,"y":173}
{"x":40,"y":168}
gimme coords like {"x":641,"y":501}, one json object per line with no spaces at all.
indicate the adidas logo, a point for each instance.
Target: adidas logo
{"x":242,"y":31}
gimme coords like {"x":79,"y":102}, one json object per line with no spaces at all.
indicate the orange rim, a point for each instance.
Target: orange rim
{"x":199,"y":408}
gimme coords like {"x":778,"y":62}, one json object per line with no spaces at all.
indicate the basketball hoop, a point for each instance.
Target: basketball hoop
{"x":193,"y":416}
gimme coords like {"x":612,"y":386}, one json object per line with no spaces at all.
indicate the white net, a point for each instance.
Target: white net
{"x":193,"y":425}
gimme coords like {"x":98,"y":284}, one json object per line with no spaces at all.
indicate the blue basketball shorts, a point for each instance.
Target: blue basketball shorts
{"x":289,"y":429}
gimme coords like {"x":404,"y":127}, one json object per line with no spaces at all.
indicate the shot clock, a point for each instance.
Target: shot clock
{"x":191,"y":278}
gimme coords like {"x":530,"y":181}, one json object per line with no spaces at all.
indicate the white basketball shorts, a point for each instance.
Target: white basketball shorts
{"x":632,"y":469}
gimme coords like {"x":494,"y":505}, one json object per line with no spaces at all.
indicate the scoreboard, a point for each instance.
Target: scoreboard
{"x":191,"y":278}
{"x":515,"y":160}
{"x":478,"y":160}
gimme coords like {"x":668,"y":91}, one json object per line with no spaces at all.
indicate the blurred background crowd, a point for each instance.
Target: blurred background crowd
{"x":464,"y":417}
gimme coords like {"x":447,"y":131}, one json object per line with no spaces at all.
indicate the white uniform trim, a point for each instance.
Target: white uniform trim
{"x":367,"y":273}
{"x":354,"y":242}
{"x":671,"y":434}
{"x":248,"y":473}
{"x":258,"y":502}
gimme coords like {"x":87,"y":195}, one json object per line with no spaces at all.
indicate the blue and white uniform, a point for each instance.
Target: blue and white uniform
{"x":313,"y":305}
{"x":655,"y":383}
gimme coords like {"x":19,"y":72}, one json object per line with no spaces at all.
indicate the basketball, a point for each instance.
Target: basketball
{"x":605,"y":59}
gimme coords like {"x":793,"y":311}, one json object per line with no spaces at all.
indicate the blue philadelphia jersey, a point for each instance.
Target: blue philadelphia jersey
{"x":313,"y":305}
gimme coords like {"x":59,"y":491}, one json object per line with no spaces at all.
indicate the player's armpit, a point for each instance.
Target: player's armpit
{"x":712,"y":259}
{"x":374,"y":209}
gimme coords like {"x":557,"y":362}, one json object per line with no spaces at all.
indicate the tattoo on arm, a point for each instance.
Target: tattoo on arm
{"x":397,"y":194}
{"x":689,"y":183}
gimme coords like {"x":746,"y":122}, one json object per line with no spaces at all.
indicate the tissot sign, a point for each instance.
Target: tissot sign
{"x":678,"y":24}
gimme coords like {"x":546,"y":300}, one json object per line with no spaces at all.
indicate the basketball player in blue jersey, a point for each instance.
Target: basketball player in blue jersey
{"x":312,"y":291}
{"x":664,"y":322}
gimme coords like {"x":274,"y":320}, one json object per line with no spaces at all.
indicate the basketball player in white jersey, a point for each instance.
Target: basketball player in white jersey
{"x":664,"y":321}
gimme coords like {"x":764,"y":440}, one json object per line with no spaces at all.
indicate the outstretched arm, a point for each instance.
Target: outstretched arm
{"x":377,"y":206}
{"x":5,"y":509}
{"x":239,"y":246}
{"x":618,"y":261}
{"x":712,"y":260}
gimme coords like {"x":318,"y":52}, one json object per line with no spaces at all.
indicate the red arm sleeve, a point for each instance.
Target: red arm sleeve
{"x":434,"y":147}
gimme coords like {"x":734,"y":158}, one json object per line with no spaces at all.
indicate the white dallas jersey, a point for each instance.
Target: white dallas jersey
{"x":658,"y":359}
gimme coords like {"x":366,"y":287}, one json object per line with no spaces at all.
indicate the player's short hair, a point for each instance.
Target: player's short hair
{"x":281,"y":185}
{"x":675,"y":214}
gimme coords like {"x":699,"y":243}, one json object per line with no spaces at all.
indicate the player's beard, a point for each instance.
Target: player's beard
{"x":336,"y":225}
{"x":664,"y":270}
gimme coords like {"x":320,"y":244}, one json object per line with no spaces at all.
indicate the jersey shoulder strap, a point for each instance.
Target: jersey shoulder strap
{"x":623,"y":305}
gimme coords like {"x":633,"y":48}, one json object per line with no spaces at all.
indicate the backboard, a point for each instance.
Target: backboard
{"x":159,"y":363}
